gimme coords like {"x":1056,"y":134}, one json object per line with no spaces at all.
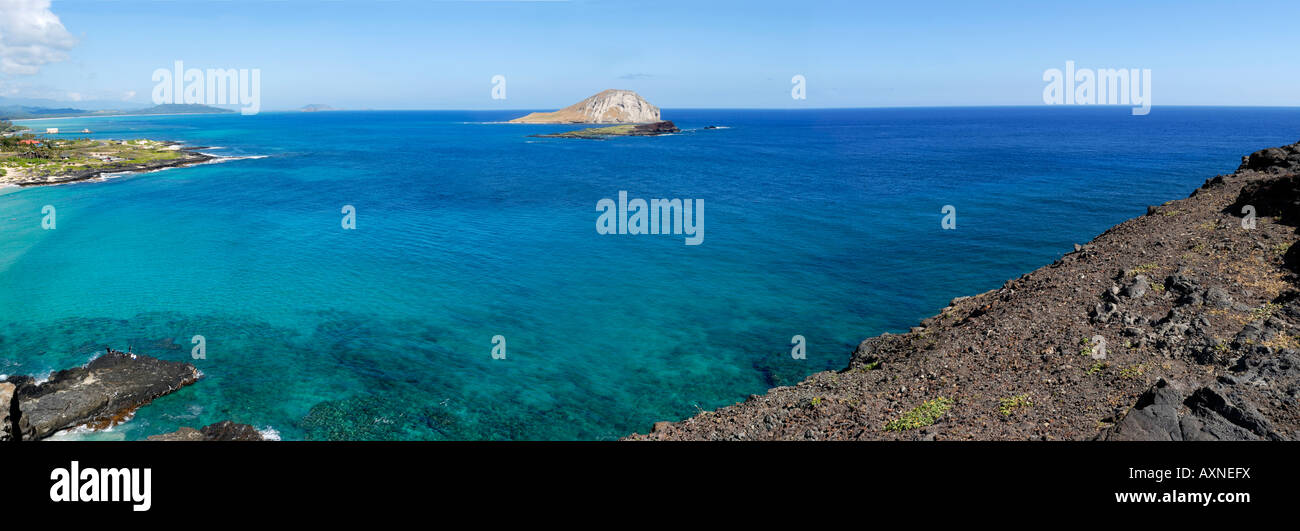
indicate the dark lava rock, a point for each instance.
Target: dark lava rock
{"x":1217,"y":416}
{"x":184,"y":434}
{"x":1275,"y":197}
{"x":657,"y":128}
{"x":1103,"y":312}
{"x":1281,"y":371}
{"x":866,"y":353}
{"x":1154,"y":417}
{"x":1273,"y":159}
{"x":1216,"y":412}
{"x":102,"y":393}
{"x":221,"y":431}
{"x":230,"y":431}
{"x":1218,"y":298}
{"x":1291,"y":259}
{"x":6,"y":425}
{"x":1181,"y":284}
{"x":1138,"y":288}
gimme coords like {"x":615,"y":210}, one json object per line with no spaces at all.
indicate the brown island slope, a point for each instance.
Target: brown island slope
{"x":631,"y":115}
{"x":1199,"y":318}
{"x":610,"y":106}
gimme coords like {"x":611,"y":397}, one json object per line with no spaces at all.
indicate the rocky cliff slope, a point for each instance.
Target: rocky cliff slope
{"x":1182,"y":324}
{"x":608,"y":107}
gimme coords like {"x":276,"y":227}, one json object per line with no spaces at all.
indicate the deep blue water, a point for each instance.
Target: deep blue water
{"x":822,"y":223}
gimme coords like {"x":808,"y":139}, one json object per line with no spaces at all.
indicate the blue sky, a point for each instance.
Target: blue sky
{"x":412,"y":54}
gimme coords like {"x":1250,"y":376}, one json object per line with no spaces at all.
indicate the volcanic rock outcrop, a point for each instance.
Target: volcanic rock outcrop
{"x":220,"y":431}
{"x":100,"y":394}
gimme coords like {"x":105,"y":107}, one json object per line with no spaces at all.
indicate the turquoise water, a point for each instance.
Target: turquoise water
{"x":821,"y":223}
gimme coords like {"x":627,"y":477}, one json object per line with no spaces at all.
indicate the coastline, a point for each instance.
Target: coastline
{"x":1181,"y":324}
{"x":189,"y":156}
{"x":16,"y":120}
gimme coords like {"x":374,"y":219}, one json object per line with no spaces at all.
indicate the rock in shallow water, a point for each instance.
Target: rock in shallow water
{"x":221,"y":431}
{"x":6,"y":395}
{"x":102,"y":393}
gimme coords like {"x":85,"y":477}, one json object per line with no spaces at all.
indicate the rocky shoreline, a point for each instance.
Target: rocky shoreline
{"x":1182,"y":324}
{"x":99,"y":395}
{"x":600,"y":133}
{"x":189,"y":156}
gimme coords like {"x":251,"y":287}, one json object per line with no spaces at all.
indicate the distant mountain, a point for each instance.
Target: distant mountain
{"x":607,"y":107}
{"x":47,"y":103}
{"x":180,"y":108}
{"x":20,"y":112}
{"x":316,"y":107}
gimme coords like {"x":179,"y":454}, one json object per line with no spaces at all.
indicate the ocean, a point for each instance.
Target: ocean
{"x":471,"y":236}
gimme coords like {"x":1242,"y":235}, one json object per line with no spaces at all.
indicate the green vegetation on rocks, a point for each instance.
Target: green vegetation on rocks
{"x":921,"y":416}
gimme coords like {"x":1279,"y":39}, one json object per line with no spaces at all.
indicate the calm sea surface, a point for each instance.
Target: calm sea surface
{"x":819,"y":223}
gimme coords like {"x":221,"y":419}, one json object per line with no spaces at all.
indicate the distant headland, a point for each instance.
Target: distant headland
{"x":27,"y":112}
{"x":29,"y":160}
{"x":316,"y":107}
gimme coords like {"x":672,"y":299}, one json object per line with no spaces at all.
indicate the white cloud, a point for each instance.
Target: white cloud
{"x":126,"y":96}
{"x":31,"y":36}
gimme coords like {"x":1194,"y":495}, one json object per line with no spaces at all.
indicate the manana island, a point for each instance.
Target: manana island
{"x":631,"y":115}
{"x":1180,"y":324}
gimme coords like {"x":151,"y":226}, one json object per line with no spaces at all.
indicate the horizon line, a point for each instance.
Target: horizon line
{"x":809,"y":108}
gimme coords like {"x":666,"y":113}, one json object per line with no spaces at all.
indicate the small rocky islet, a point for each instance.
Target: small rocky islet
{"x":650,"y":129}
{"x":103,"y":393}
